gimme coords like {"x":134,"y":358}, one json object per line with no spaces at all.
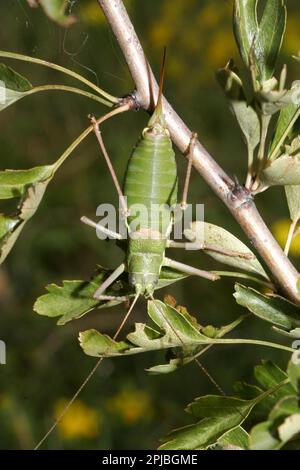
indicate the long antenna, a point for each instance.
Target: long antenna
{"x":161,"y":80}
{"x":88,"y":378}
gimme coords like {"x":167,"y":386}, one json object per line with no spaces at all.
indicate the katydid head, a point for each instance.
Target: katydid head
{"x":143,"y":283}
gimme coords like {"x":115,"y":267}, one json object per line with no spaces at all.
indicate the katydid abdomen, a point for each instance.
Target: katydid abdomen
{"x":151,"y":190}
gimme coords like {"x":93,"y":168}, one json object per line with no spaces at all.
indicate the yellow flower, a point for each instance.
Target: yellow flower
{"x":79,"y":421}
{"x":131,"y":406}
{"x":280,"y":230}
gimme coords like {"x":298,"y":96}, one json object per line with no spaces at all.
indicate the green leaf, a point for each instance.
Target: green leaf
{"x":268,"y":375}
{"x":32,"y":195}
{"x":181,"y":360}
{"x":293,"y":371}
{"x":13,"y":86}
{"x":293,"y":199}
{"x":219,"y":415}
{"x":56,"y":11}
{"x":211,"y":234}
{"x":245,"y":115}
{"x":262,"y":438}
{"x":287,"y":118}
{"x":168,"y":276}
{"x":174,"y":330}
{"x":245,"y":26}
{"x":270,"y":36}
{"x":14,"y":183}
{"x":74,"y":299}
{"x":235,"y":439}
{"x":283,"y":171}
{"x":287,"y":406}
{"x":276,"y":310}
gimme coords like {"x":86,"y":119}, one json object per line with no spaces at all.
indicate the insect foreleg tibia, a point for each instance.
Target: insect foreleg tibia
{"x":106,"y":231}
{"x":114,"y":275}
{"x":183,"y":203}
{"x":110,"y":165}
{"x":186,"y":269}
{"x":208,"y":247}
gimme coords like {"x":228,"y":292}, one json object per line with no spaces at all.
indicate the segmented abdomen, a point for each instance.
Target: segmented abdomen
{"x":151,"y":177}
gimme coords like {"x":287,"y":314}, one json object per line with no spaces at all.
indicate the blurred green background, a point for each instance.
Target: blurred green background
{"x":122,"y":407}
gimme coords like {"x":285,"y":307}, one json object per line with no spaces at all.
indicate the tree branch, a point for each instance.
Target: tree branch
{"x":235,"y":197}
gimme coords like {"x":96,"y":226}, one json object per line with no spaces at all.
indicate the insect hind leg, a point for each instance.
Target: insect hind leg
{"x":183,"y":204}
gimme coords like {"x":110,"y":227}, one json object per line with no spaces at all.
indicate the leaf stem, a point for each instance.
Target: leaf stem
{"x":59,"y":68}
{"x":246,"y":276}
{"x":255,"y":342}
{"x":70,"y":89}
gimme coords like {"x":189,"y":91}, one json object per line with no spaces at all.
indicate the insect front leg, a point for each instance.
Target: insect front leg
{"x":97,"y":131}
{"x":187,"y":269}
{"x":100,"y":227}
{"x":114,"y":275}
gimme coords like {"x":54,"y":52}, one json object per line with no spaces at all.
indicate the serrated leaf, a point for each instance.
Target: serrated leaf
{"x":293,"y":199}
{"x":56,"y":11}
{"x":174,"y":330}
{"x":218,"y":237}
{"x":270,"y":37}
{"x":276,"y":310}
{"x":13,"y":86}
{"x":245,"y":115}
{"x":74,"y":299}
{"x":180,"y":361}
{"x":283,"y":171}
{"x":245,"y":26}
